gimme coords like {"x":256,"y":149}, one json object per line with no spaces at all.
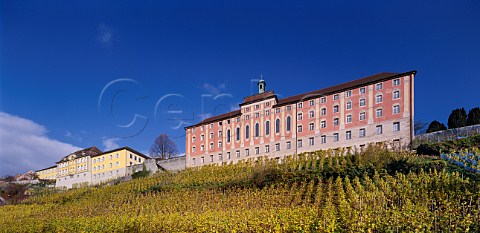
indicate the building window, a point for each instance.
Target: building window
{"x":257,"y":130}
{"x":323,"y":139}
{"x":267,"y":128}
{"x":277,"y":126}
{"x":289,"y":145}
{"x":237,"y":153}
{"x":379,"y":129}
{"x":220,"y":157}
{"x":379,"y":112}
{"x":247,"y":152}
{"x":323,"y":100}
{"x":396,"y":126}
{"x":237,"y":134}
{"x":211,"y":158}
{"x":335,"y":137}
{"x":348,"y":135}
{"x":396,"y":82}
{"x":362,"y":90}
{"x":110,"y":165}
{"x":299,"y":128}
{"x":349,"y":119}
{"x":299,"y":143}
{"x":311,"y":114}
{"x":193,"y":139}
{"x":277,"y":147}
{"x":228,"y":155}
{"x":335,"y":97}
{"x":289,"y":107}
{"x":277,"y":110}
{"x":300,"y":105}
{"x":267,"y":112}
{"x":396,"y":109}
{"x":219,"y":123}
{"x":311,"y":126}
{"x":202,"y":137}
{"x":335,"y":109}
{"x":202,"y":128}
{"x":396,"y":95}
{"x":194,"y":149}
{"x":247,"y":132}
{"x":257,"y":115}
{"x":202,"y":159}
{"x":220,"y":144}
{"x":362,"y":116}
{"x":220,"y":134}
{"x":211,"y":145}
{"x":228,"y":136}
{"x":202,"y":148}
{"x":247,"y":117}
{"x":312,"y":102}
{"x":324,"y":111}
{"x":238,"y":119}
{"x":348,"y":93}
{"x":228,"y":121}
{"x":379,"y":98}
{"x":379,"y":86}
{"x":267,"y":104}
{"x":300,"y":116}
{"x":267,"y":149}
{"x":323,"y":124}
{"x":289,"y":121}
{"x":362,"y":102}
{"x":257,"y":106}
{"x":335,"y":121}
{"x":311,"y":141}
{"x":349,"y":105}
{"x":361,"y":133}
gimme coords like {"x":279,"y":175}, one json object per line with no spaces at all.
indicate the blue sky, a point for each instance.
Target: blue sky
{"x":174,"y":62}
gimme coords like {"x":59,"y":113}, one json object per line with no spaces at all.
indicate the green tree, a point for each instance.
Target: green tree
{"x":436,"y":126}
{"x":457,"y":119}
{"x":473,"y":116}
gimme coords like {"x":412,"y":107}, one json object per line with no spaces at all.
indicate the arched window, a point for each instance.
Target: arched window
{"x":289,"y":123}
{"x":267,"y":128}
{"x":257,"y":130}
{"x":237,"y":134}
{"x":228,"y":135}
{"x":277,"y":126}
{"x":247,"y":131}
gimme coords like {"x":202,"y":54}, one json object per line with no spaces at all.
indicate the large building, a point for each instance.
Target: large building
{"x":92,"y":166}
{"x":378,"y":108}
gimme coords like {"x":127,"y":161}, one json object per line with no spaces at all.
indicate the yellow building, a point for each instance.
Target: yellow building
{"x":114,"y":164}
{"x":49,"y":173}
{"x":92,"y":166}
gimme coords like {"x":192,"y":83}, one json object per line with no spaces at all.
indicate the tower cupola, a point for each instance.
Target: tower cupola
{"x":261,"y":85}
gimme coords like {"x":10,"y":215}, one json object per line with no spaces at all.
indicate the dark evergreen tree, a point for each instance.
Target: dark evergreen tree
{"x":457,"y":119}
{"x":436,"y":126}
{"x":473,"y":116}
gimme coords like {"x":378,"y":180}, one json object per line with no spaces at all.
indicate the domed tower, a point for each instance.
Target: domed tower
{"x":261,"y":85}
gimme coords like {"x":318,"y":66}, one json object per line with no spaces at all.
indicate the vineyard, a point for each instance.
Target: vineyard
{"x":327,"y":191}
{"x":469,"y":160}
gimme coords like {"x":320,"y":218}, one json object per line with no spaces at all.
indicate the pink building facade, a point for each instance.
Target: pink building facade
{"x":378,"y":108}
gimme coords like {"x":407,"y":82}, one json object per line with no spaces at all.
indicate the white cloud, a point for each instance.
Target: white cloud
{"x":105,"y":35}
{"x":110,"y":143}
{"x":25,"y":145}
{"x":73,"y":136}
{"x":204,"y":116}
{"x":214,"y":90}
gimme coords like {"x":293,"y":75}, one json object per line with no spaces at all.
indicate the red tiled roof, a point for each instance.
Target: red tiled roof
{"x":258,"y":97}
{"x":217,"y":118}
{"x":342,"y":87}
{"x":91,"y":151}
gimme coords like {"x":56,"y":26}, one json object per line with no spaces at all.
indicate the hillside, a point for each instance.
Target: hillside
{"x":326,"y":191}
